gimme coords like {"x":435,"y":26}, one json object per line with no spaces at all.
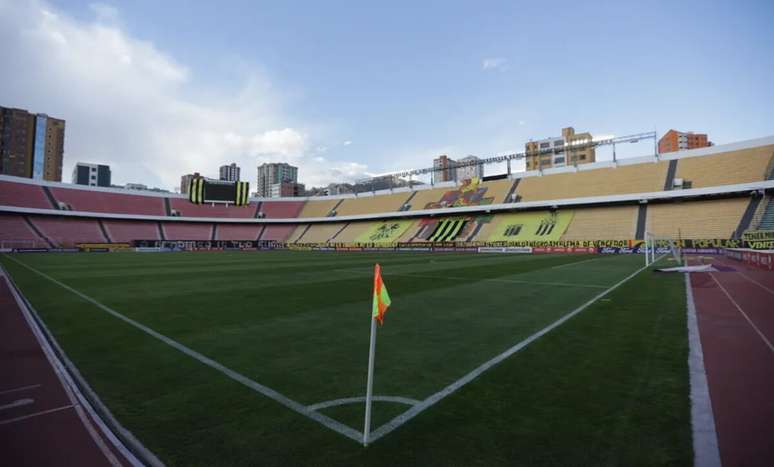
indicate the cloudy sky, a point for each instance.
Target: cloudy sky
{"x":348,"y":89}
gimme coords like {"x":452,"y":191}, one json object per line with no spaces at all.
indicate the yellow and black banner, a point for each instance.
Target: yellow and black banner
{"x":196,"y":190}
{"x":242,"y":194}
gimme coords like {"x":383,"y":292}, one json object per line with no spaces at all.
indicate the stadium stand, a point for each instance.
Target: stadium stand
{"x":604,"y":223}
{"x":16,"y":232}
{"x":187,"y":230}
{"x":353,"y":231}
{"x":297,"y":232}
{"x":320,"y":233}
{"x":372,"y":204}
{"x":744,"y":166}
{"x":101,"y":201}
{"x":697,"y":219}
{"x":498,"y":189}
{"x":238,"y":231}
{"x":636,"y":178}
{"x":318,"y":208}
{"x":280,"y":209}
{"x":187,"y":209}
{"x":23,"y":195}
{"x":127,"y":231}
{"x":278,"y":232}
{"x":541,"y":226}
{"x":426,"y":196}
{"x":68,"y":231}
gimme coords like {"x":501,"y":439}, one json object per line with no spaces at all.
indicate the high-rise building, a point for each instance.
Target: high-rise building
{"x":31,"y":145}
{"x":229,"y":172}
{"x":569,"y":149}
{"x":444,"y":169}
{"x":91,"y":174}
{"x":286,"y":190}
{"x":273,"y":174}
{"x":469,"y":167}
{"x":675,"y":140}
{"x":185,"y":182}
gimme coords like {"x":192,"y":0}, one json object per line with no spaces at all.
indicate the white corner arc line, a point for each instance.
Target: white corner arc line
{"x":23,"y":388}
{"x":760,"y":334}
{"x":705,"y":439}
{"x":358,"y":399}
{"x":453,"y":387}
{"x":238,"y":377}
{"x":574,"y":263}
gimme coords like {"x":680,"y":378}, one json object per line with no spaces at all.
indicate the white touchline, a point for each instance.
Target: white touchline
{"x":705,"y":439}
{"x":17,"y":403}
{"x":756,"y":282}
{"x":244,"y":380}
{"x":453,"y":387}
{"x":762,"y":336}
{"x":573,"y":263}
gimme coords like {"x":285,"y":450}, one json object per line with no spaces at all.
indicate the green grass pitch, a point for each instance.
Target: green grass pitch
{"x":609,"y":386}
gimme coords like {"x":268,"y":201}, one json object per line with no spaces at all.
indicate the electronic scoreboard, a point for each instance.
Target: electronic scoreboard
{"x":203,"y":190}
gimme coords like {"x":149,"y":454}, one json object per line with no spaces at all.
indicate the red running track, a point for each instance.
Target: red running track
{"x":735,"y":311}
{"x":42,"y":422}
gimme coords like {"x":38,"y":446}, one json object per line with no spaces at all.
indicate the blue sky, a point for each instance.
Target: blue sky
{"x":345,"y":89}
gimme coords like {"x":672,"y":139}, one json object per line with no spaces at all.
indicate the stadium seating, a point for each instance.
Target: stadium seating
{"x":743,"y":166}
{"x":23,"y":195}
{"x":68,"y":231}
{"x":278,"y":232}
{"x":381,"y":232}
{"x":100,"y":201}
{"x":604,"y":223}
{"x":542,"y":226}
{"x":639,"y":178}
{"x":318,"y":207}
{"x":187,"y":230}
{"x":320,"y":233}
{"x":372,"y":204}
{"x":15,"y":232}
{"x":281,"y":209}
{"x":697,"y":219}
{"x":238,"y":231}
{"x":189,"y":209}
{"x":128,"y":231}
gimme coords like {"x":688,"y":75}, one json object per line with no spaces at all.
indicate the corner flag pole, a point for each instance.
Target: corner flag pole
{"x":370,"y":384}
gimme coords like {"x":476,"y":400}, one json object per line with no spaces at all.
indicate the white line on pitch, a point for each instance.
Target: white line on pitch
{"x":238,"y":377}
{"x":513,"y":281}
{"x":23,"y":388}
{"x":574,"y":263}
{"x":453,"y":387}
{"x":358,"y":399}
{"x":762,"y":336}
{"x":17,"y":403}
{"x":36,"y":414}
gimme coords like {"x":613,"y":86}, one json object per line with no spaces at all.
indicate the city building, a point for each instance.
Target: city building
{"x":185,"y":182}
{"x":91,"y":174}
{"x":136,"y":186}
{"x":443,"y":169}
{"x":274,"y":174}
{"x":469,"y":167}
{"x":286,"y":190}
{"x":229,"y":172}
{"x":569,"y":149}
{"x":31,"y":145}
{"x":675,"y":140}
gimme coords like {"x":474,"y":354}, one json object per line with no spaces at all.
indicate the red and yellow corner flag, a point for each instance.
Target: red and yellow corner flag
{"x":381,"y":297}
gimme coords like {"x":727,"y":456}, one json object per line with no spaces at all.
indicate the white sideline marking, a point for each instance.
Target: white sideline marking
{"x":762,"y":336}
{"x":17,"y":403}
{"x":355,"y":400}
{"x":756,"y":282}
{"x":36,"y":414}
{"x":23,"y":388}
{"x":238,"y":377}
{"x":705,"y":439}
{"x":448,"y":390}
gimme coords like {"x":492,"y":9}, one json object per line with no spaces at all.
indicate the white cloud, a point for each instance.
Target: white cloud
{"x":347,"y":143}
{"x":131,"y":105}
{"x":494,"y":64}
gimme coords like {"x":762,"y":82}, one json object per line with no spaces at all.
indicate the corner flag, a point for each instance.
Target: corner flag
{"x":381,"y":297}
